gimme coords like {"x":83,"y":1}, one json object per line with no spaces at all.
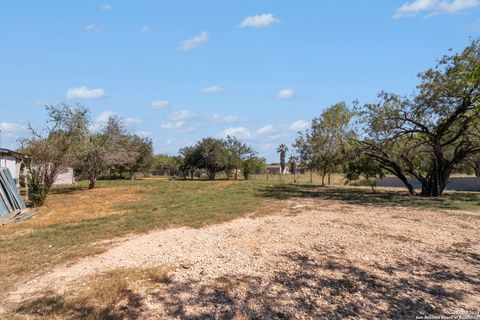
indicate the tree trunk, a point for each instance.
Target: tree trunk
{"x":211,"y":175}
{"x":477,"y":170}
{"x":92,"y":183}
{"x":329,"y":178}
{"x":405,"y":181}
{"x":436,"y":181}
{"x":323,"y":179}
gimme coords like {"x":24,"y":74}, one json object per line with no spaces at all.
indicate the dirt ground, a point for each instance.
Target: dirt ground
{"x":314,"y":259}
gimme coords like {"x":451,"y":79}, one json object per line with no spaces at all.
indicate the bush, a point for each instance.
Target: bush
{"x":37,"y":193}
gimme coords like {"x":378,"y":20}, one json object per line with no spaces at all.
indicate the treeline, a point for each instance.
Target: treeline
{"x":211,"y":156}
{"x":428,"y":136}
{"x":68,"y":142}
{"x":111,"y":152}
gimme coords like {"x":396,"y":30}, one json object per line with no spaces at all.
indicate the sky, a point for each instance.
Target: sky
{"x":180,"y":70}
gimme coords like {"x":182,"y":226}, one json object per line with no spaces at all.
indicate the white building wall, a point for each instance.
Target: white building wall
{"x":11,"y":164}
{"x":66,"y":177}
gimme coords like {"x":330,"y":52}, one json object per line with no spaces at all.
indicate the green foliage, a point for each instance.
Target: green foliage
{"x":55,"y":149}
{"x":217,"y":155}
{"x":253,"y":165}
{"x":429,"y":136}
{"x":363,"y":167}
{"x":165,"y":164}
{"x":92,"y":158}
{"x":37,"y":192}
{"x":324,"y":147}
{"x":125,"y":152}
{"x":238,"y":154}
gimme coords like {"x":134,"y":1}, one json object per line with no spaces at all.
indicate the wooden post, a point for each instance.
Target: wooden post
{"x":25,"y":178}
{"x":311,"y":178}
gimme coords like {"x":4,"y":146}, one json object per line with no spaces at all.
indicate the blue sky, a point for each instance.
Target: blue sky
{"x":177,"y":71}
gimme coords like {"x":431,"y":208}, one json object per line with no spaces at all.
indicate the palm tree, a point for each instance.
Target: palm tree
{"x":282,"y":150}
{"x":292,"y":162}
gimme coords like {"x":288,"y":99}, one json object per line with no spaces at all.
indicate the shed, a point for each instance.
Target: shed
{"x":11,"y":160}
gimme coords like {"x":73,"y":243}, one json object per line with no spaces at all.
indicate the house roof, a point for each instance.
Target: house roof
{"x":8,"y":152}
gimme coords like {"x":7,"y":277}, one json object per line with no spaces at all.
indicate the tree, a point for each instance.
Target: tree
{"x":324,"y":147}
{"x":282,"y":150}
{"x":126,"y":152}
{"x":54,"y":150}
{"x":118,"y":155}
{"x":253,"y":165}
{"x":213,"y":156}
{"x":428,"y":136}
{"x":292,"y":162}
{"x":91,"y":158}
{"x":165,"y":164}
{"x":238,"y":153}
{"x":364,"y":167}
{"x":210,"y":154}
{"x":473,"y":163}
{"x":190,"y":161}
{"x":142,"y":151}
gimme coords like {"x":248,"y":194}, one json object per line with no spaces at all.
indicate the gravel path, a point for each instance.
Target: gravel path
{"x":386,"y":260}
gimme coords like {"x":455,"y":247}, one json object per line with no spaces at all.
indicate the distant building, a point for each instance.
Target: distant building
{"x":275,"y":168}
{"x":66,"y":177}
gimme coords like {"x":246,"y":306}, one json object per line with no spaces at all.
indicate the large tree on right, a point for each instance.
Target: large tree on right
{"x":428,"y":135}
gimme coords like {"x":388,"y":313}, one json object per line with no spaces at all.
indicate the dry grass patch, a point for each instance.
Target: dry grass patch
{"x":110,"y":295}
{"x":82,"y":204}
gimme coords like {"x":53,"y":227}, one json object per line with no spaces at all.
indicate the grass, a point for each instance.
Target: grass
{"x":77,"y":222}
{"x":468,"y":201}
{"x":60,"y":233}
{"x":99,"y":297}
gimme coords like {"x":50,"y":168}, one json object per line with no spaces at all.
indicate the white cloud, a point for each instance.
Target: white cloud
{"x":218,"y":118}
{"x":11,"y":132}
{"x":160,"y":104}
{"x":259,"y":21}
{"x":212,"y":89}
{"x":101,"y":120}
{"x":11,"y":128}
{"x":300,"y":125}
{"x":106,"y":7}
{"x":238,"y":132}
{"x":434,"y":7}
{"x":181,"y":115}
{"x":286,"y":94}
{"x":104,"y":116}
{"x":131,"y":120}
{"x":194,"y":42}
{"x":179,"y":126}
{"x":85,"y":93}
{"x":93,"y":27}
{"x":266,"y":129}
{"x":145,"y":28}
{"x":144,"y":133}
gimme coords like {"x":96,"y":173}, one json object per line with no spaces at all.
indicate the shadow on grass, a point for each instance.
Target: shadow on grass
{"x":319,"y":286}
{"x":451,"y":201}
